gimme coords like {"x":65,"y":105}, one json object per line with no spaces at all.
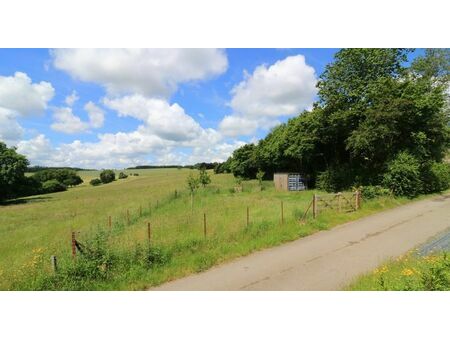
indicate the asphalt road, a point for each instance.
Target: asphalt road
{"x":328,"y":260}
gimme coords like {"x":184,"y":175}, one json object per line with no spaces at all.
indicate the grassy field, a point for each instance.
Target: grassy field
{"x":408,"y":273}
{"x":34,"y":228}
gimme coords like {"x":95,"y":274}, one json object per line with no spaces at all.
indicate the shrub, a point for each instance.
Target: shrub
{"x":374,"y":191}
{"x":335,"y":179}
{"x":259,"y":176}
{"x":436,"y":177}
{"x":95,"y":181}
{"x":403,"y":175}
{"x":122,"y":175}
{"x":204,"y":177}
{"x":53,"y":186}
{"x":67,"y":177}
{"x":107,"y":176}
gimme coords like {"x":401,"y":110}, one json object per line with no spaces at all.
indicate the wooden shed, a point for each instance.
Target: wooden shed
{"x":289,"y":181}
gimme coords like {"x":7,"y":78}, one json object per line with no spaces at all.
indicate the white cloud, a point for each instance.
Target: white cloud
{"x":20,"y":95}
{"x":68,"y":123}
{"x":151,"y":72}
{"x":234,"y":125}
{"x":162,"y":119}
{"x":121,"y":150}
{"x":283,"y":89}
{"x":96,"y":115}
{"x":10,"y":130}
{"x":72,"y":98}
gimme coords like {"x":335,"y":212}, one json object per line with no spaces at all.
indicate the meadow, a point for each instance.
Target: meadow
{"x":408,"y":273}
{"x":121,"y":257}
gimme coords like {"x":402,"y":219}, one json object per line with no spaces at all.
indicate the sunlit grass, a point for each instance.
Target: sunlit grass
{"x":45,"y":223}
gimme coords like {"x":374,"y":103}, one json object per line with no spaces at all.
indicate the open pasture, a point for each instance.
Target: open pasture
{"x":217,"y":228}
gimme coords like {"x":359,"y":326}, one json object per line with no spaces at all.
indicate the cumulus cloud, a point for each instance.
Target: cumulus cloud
{"x":96,"y":115}
{"x":67,"y":122}
{"x":283,"y":89}
{"x":72,"y":98}
{"x":168,"y":121}
{"x":151,"y":72}
{"x":20,"y":95}
{"x":10,"y":129}
{"x":119,"y":150}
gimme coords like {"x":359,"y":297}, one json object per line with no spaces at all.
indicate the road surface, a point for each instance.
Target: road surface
{"x":328,"y":260}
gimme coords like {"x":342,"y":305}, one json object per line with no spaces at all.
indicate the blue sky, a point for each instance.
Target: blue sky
{"x":117,"y":108}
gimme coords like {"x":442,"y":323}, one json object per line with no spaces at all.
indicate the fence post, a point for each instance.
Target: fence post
{"x":176,"y":193}
{"x":128,"y":217}
{"x":314,"y":204}
{"x":204,"y":225}
{"x":282,"y":213}
{"x":109,"y":222}
{"x":248,"y":217}
{"x":357,"y":199}
{"x":54,"y":262}
{"x":74,"y":246}
{"x":339,"y":202}
{"x":149,"y":232}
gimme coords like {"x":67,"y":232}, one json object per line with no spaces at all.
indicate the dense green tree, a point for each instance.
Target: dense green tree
{"x":12,"y":172}
{"x":68,"y":177}
{"x":95,"y":181}
{"x":244,"y":161}
{"x":107,"y":176}
{"x":373,"y":106}
{"x":53,"y":186}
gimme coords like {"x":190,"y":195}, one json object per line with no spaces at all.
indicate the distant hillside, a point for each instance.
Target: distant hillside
{"x":40,"y":168}
{"x":195,"y":166}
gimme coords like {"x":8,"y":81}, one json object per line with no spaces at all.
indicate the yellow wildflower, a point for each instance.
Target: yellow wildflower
{"x":384,"y":269}
{"x":407,"y":272}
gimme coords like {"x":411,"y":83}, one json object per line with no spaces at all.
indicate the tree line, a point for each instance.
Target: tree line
{"x":380,"y":120}
{"x":14,"y":183}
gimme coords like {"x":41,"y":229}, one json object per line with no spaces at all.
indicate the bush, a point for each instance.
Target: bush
{"x":335,"y":179}
{"x":403,"y":175}
{"x":122,"y":175}
{"x":53,"y":186}
{"x":67,"y":177}
{"x":204,"y":177}
{"x":95,"y":181}
{"x":374,"y":191}
{"x":107,"y":176}
{"x":436,"y":177}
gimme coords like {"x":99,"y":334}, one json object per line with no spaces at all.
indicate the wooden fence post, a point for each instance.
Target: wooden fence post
{"x":74,"y":246}
{"x":282,"y":213}
{"x":357,"y":199}
{"x":54,"y":262}
{"x":314,"y":205}
{"x":339,"y":201}
{"x":149,"y":232}
{"x":176,"y":193}
{"x":109,"y":222}
{"x":248,"y":216}
{"x":204,"y":225}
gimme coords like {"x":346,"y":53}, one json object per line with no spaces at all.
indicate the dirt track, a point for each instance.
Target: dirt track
{"x":328,"y":260}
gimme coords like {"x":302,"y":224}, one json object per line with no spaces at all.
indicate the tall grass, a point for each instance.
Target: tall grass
{"x":408,"y":273}
{"x":121,"y":257}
